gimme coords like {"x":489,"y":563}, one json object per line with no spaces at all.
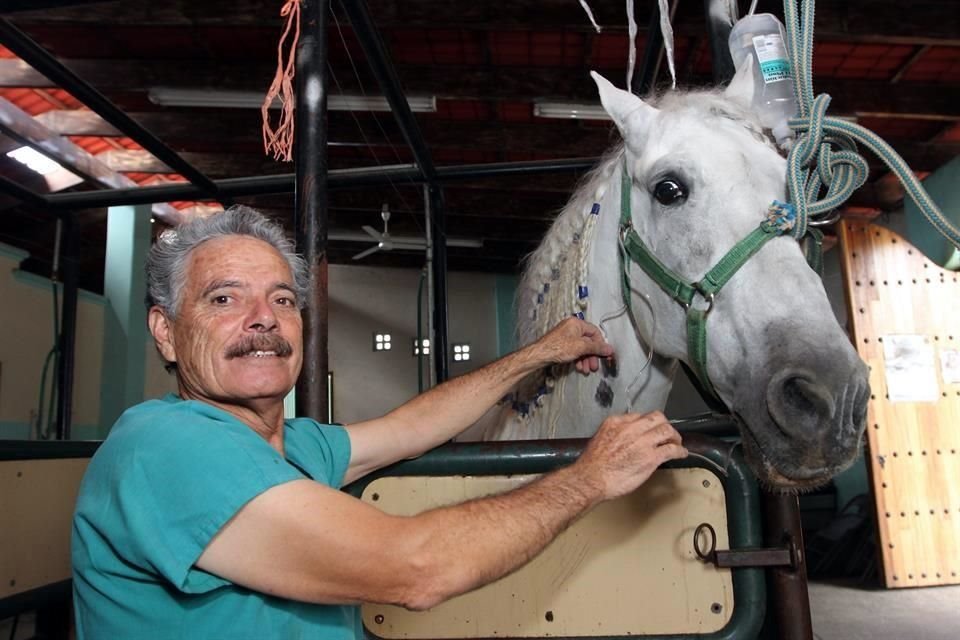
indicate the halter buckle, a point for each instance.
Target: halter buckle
{"x":708,"y":297}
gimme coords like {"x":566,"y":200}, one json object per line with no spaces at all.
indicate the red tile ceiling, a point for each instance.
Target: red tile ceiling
{"x":537,"y":49}
{"x":436,"y":46}
{"x":938,"y":65}
{"x":846,"y":60}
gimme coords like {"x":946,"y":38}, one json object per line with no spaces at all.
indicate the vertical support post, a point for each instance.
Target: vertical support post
{"x":310,"y":203}
{"x":789,"y":598}
{"x":124,"y":318}
{"x":431,"y":303}
{"x":68,"y":328}
{"x":438,"y":267}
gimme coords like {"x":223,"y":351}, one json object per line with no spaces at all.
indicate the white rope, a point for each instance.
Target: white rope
{"x":586,"y":7}
{"x":666,"y":30}
{"x":632,"y":30}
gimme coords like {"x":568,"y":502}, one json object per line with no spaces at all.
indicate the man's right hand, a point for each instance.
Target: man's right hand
{"x":626,"y":450}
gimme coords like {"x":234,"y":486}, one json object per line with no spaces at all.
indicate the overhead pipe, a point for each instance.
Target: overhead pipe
{"x":21,"y":193}
{"x":310,"y":204}
{"x":285,"y":182}
{"x":41,"y":60}
{"x":386,"y":75}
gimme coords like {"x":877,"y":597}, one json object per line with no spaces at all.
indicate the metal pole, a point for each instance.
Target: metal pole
{"x":21,"y":193}
{"x":382,"y":68}
{"x":285,"y":183}
{"x":789,"y":598}
{"x":41,"y":60}
{"x":310,"y":204}
{"x":431,"y":303}
{"x":68,"y":328}
{"x":438,"y":224}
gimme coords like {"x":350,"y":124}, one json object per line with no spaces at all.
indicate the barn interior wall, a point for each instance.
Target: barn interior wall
{"x":363,"y":301}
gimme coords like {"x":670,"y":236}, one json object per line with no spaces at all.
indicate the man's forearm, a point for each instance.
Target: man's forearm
{"x":466,"y":546}
{"x":443,"y":412}
{"x":438,"y":414}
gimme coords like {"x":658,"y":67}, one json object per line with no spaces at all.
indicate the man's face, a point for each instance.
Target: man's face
{"x":237,"y":337}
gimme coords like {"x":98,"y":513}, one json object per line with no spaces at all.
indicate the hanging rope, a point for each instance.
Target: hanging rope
{"x":279,"y":141}
{"x":813,"y":163}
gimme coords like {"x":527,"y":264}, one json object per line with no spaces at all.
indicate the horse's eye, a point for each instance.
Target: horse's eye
{"x":669,"y":192}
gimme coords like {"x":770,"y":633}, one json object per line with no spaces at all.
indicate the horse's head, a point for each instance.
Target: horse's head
{"x":702,"y":176}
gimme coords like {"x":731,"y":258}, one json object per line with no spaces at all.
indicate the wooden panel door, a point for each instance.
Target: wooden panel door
{"x":905,"y":317}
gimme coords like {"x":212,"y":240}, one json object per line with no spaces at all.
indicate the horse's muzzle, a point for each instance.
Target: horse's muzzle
{"x":820,"y":417}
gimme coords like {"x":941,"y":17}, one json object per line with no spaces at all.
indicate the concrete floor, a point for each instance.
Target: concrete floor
{"x":845,"y":610}
{"x":841,"y":611}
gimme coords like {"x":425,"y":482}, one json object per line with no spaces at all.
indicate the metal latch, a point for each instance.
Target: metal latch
{"x":786,"y":556}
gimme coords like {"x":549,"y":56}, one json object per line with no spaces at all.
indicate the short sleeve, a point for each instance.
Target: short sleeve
{"x":322,"y":450}
{"x":181,"y":476}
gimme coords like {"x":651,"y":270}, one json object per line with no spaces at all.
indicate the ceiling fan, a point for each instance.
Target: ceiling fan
{"x":385,"y":242}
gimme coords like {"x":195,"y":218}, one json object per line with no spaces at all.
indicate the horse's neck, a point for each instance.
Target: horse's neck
{"x":578,"y":404}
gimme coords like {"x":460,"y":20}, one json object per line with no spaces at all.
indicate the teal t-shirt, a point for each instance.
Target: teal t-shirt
{"x":165,"y":481}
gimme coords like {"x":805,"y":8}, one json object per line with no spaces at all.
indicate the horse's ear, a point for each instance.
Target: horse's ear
{"x":742,"y":87}
{"x":621,"y":105}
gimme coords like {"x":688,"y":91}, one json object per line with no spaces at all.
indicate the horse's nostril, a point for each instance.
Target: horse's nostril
{"x":799,"y":404}
{"x":807,"y":396}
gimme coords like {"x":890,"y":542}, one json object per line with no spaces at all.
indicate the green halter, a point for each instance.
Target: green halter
{"x":781,"y":218}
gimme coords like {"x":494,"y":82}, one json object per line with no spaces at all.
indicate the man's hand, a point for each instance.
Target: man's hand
{"x":573,"y":340}
{"x":626,"y":451}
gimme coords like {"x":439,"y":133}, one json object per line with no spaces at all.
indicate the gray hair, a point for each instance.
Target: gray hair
{"x":166,"y":265}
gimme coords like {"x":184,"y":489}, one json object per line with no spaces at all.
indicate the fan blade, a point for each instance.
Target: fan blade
{"x":407,"y":245}
{"x":372,"y":232}
{"x":364,"y":254}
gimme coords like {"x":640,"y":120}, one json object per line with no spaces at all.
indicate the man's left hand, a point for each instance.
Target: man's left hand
{"x":574,"y":340}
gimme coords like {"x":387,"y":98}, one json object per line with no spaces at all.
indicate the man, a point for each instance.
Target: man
{"x":206,"y":515}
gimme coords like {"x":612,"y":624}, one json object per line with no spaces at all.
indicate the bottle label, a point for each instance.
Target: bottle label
{"x":772,"y":55}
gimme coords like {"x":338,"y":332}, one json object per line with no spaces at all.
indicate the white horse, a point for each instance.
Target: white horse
{"x":702,"y":176}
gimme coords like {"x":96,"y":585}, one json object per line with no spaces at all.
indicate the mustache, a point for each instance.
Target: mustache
{"x":259,"y":342}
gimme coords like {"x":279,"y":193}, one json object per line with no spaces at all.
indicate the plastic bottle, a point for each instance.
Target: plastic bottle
{"x":763,"y":37}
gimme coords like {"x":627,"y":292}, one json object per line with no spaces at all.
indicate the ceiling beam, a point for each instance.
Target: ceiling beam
{"x":21,"y":127}
{"x":926,"y":21}
{"x":561,"y":137}
{"x":457,"y":82}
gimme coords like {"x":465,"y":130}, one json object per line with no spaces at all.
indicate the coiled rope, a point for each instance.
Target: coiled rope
{"x":813,"y":162}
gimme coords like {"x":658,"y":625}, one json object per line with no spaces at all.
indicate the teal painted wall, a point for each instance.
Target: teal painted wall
{"x":505,"y":295}
{"x":124,"y":323}
{"x":942,"y":187}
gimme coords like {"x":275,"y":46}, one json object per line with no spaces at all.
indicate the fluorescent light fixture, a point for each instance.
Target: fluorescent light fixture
{"x":569,"y":111}
{"x":34,"y":160}
{"x":170,"y":97}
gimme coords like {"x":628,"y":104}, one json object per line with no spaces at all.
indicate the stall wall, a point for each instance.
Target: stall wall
{"x":26,"y":320}
{"x":363,"y":300}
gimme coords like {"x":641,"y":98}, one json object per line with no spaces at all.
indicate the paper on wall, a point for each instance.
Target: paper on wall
{"x":910,"y":369}
{"x":950,"y":366}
